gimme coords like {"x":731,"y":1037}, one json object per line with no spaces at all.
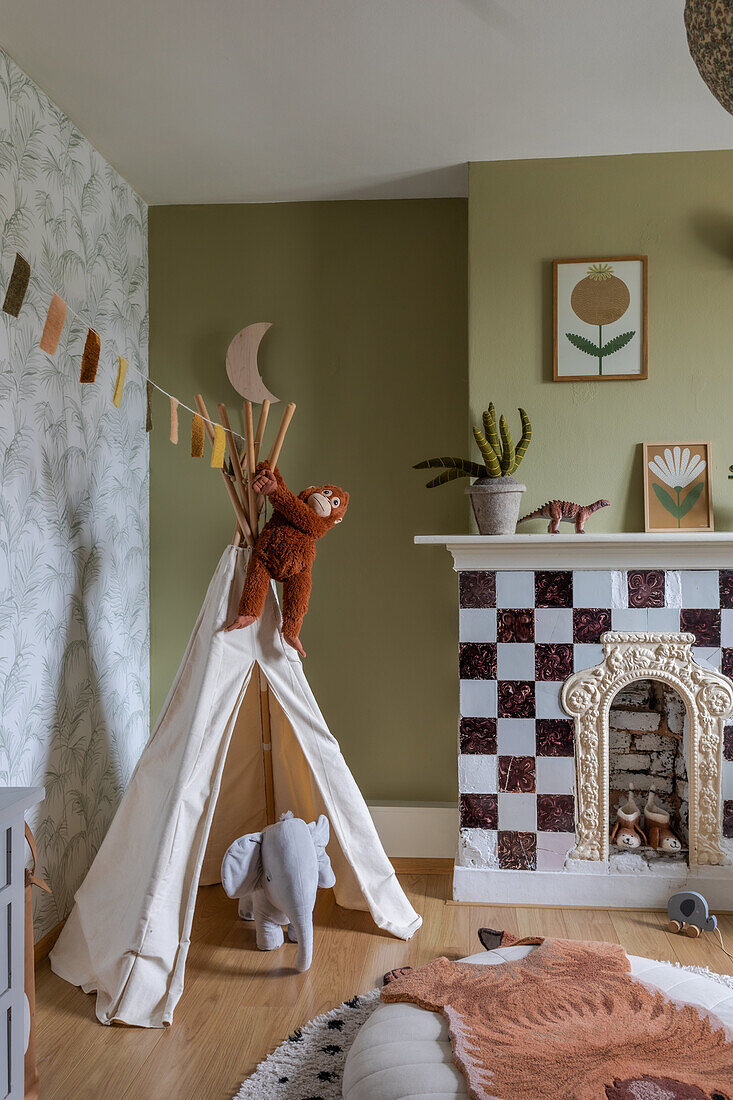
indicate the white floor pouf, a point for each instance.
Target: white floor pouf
{"x":403,"y":1052}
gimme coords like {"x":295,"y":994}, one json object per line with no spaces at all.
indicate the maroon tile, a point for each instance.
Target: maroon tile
{"x":553,"y":588}
{"x":516,"y":625}
{"x":590,"y":622}
{"x":556,"y":813}
{"x":477,"y":588}
{"x":479,"y":811}
{"x":516,"y":699}
{"x":518,"y":851}
{"x":727,"y":818}
{"x":477,"y":660}
{"x":726,"y":665}
{"x":728,"y":742}
{"x":703,"y":622}
{"x":516,"y":774}
{"x":725,"y":585}
{"x":553,"y":662}
{"x":478,"y":736}
{"x":554,"y":736}
{"x":646,"y":587}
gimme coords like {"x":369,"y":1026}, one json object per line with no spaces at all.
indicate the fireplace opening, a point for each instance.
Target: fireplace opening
{"x":647,"y":755}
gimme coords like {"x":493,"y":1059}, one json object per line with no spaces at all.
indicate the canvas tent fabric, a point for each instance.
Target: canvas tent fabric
{"x":128,"y":934}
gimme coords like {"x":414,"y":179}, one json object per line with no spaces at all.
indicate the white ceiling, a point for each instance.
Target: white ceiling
{"x":274,"y":100}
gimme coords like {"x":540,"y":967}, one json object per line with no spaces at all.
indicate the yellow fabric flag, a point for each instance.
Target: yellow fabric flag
{"x":217,"y":452}
{"x":174,"y":419}
{"x":121,"y":372}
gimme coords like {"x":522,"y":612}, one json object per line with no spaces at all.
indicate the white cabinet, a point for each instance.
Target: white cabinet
{"x":14,"y":801}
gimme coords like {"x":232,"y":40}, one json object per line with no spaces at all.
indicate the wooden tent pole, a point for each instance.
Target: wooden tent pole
{"x":266,"y":747}
{"x":234,"y":456}
{"x":236,"y":503}
{"x":249,"y":431}
{"x":277,"y":446}
{"x":260,"y":430}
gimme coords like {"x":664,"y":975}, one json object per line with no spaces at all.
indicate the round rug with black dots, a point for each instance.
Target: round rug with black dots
{"x":309,"y":1065}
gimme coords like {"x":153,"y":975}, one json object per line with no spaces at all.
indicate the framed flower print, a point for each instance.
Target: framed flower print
{"x":599,"y":319}
{"x":677,"y":487}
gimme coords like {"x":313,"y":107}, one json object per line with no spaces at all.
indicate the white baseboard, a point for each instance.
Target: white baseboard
{"x":417,"y":830}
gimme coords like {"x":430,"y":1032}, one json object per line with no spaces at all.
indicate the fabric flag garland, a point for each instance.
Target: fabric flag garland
{"x":17,"y":286}
{"x":55,"y":320}
{"x":149,"y":406}
{"x":90,"y":358}
{"x":217,"y":451}
{"x":174,"y":419}
{"x":197,"y":437}
{"x":121,"y":372}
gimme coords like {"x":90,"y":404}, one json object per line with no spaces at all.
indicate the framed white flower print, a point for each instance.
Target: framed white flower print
{"x":677,"y":487}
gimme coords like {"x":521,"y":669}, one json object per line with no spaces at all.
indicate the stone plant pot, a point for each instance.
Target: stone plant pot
{"x":496,"y":502}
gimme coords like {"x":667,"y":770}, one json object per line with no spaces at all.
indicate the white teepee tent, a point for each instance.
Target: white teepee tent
{"x":128,"y":934}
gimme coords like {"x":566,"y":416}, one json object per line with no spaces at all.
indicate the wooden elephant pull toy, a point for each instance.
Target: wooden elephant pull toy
{"x":688,"y":913}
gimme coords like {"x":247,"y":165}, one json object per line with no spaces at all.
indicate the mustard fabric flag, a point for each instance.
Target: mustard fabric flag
{"x":121,"y":372}
{"x":197,"y":437}
{"x":17,"y":286}
{"x":174,"y":419}
{"x":55,"y":320}
{"x":90,"y":358}
{"x":217,"y":451}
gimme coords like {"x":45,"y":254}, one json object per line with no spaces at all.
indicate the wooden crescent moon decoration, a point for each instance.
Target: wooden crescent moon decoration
{"x":241,"y":362}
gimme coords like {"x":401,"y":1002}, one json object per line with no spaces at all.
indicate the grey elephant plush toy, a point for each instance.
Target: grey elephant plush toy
{"x":276,"y":875}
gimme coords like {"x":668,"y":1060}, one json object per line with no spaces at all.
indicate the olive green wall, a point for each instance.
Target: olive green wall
{"x":677,"y":208}
{"x":369,"y":308}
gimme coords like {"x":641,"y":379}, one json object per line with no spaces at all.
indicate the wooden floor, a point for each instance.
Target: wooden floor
{"x":239,"y":1003}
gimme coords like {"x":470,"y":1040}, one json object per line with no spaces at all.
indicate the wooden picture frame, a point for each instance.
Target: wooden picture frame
{"x":667,"y":463}
{"x":610,"y":287}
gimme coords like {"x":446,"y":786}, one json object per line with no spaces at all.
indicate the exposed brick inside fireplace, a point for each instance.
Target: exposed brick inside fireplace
{"x":646,"y":748}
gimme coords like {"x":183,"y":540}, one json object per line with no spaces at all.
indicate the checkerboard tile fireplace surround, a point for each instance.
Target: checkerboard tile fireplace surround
{"x":522,"y":633}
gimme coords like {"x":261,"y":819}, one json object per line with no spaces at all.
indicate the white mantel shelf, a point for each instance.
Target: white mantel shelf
{"x":704,"y":550}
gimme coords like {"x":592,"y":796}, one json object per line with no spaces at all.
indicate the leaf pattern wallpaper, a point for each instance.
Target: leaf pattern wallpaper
{"x":74,"y":544}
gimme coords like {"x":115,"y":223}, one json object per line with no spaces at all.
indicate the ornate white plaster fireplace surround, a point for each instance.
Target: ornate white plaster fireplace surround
{"x":552,"y":628}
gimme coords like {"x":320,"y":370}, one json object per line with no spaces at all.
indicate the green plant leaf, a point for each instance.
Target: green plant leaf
{"x":458,"y":467}
{"x":667,"y":501}
{"x":617,"y":343}
{"x":447,"y":475}
{"x":582,"y":344}
{"x":691,"y":499}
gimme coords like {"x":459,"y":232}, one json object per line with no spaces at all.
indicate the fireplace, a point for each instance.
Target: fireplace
{"x":587,"y":663}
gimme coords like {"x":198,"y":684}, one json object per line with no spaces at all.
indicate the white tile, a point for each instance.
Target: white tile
{"x":515,"y":736}
{"x":710,"y":656}
{"x":478,"y":698}
{"x":619,"y":588}
{"x":547,"y":699}
{"x":552,"y":850}
{"x":726,"y":626}
{"x":553,"y":624}
{"x":726,"y":779}
{"x":555,"y":774}
{"x":673,"y":588}
{"x":478,"y":848}
{"x":515,"y":589}
{"x":518,"y":812}
{"x":476,"y":774}
{"x":586,"y":655}
{"x":632,"y":618}
{"x":663,"y":618}
{"x":700,"y":588}
{"x":592,"y":588}
{"x":477,"y":624}
{"x":515,"y":661}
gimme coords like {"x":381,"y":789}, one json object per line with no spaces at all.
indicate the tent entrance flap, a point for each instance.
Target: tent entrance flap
{"x":240,"y":807}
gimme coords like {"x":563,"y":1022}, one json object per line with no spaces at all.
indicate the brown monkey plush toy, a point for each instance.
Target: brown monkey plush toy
{"x":286,"y":549}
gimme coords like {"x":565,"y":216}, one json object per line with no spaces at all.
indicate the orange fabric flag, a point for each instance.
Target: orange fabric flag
{"x":174,"y":419}
{"x":197,"y":437}
{"x":90,"y":358}
{"x":55,"y":320}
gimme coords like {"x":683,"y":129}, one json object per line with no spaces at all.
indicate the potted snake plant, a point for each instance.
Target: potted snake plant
{"x":495,"y":494}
